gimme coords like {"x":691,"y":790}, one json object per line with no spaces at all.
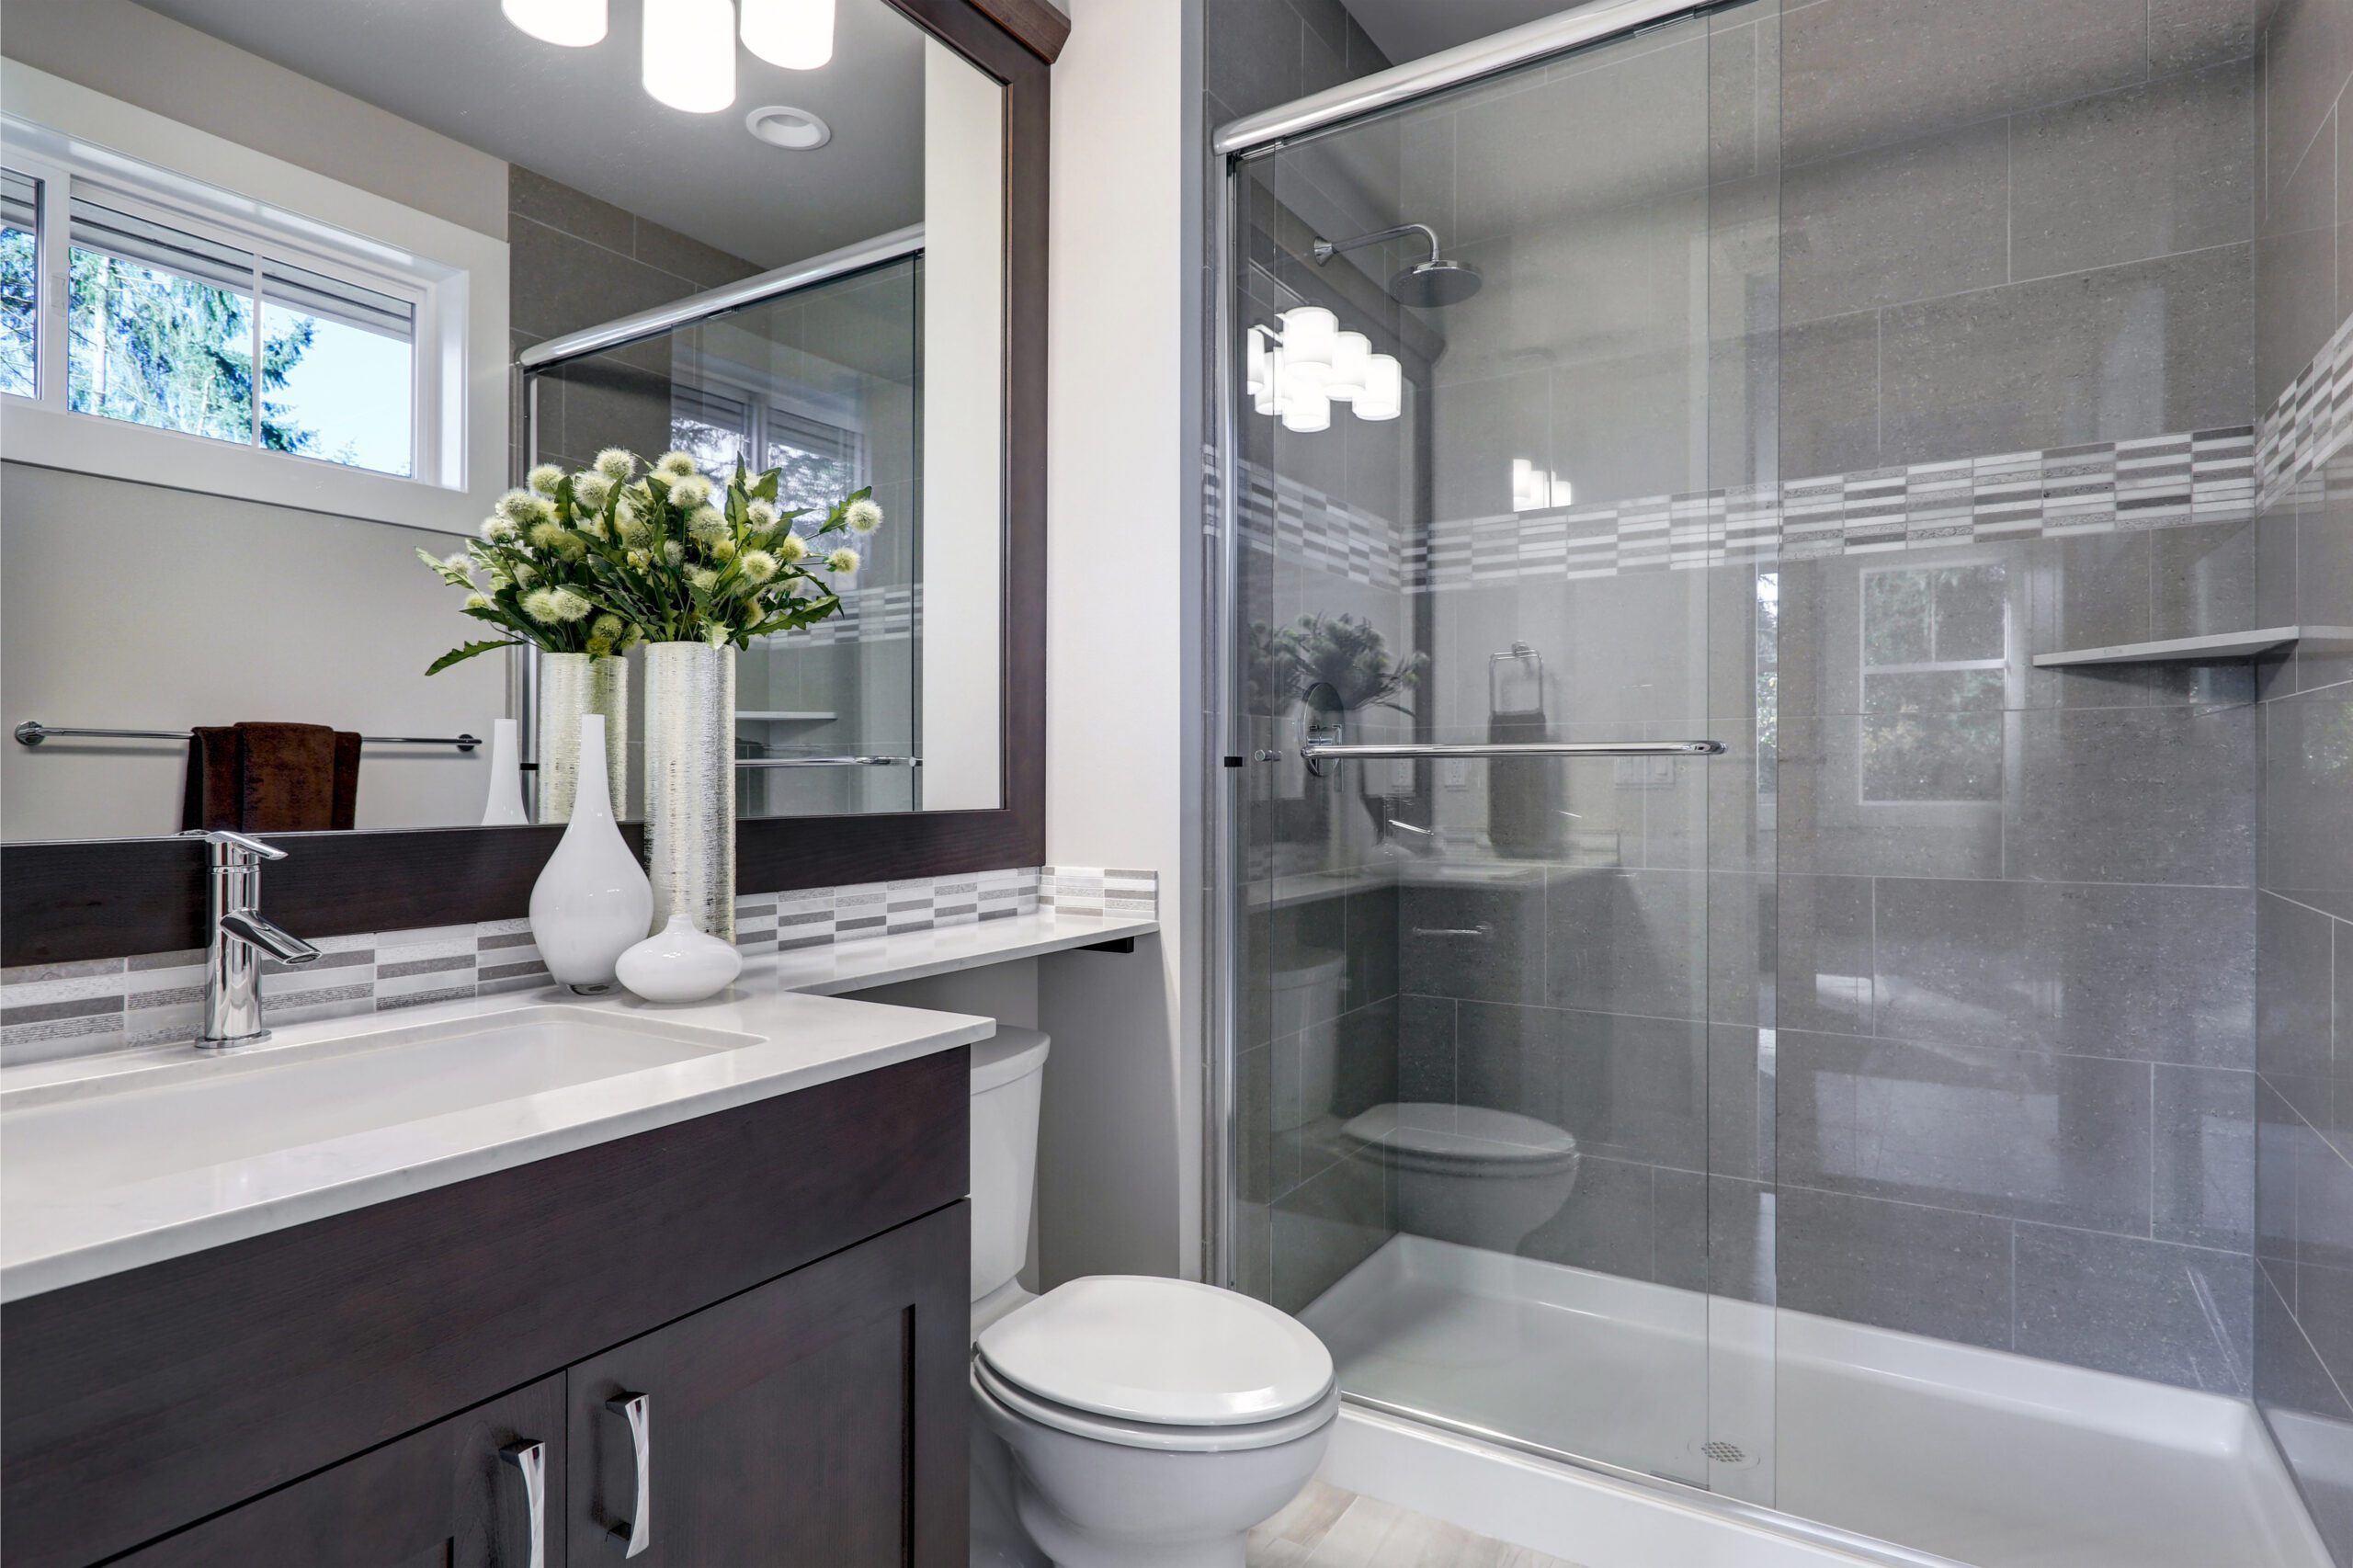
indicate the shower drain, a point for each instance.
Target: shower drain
{"x":1717,"y":1451}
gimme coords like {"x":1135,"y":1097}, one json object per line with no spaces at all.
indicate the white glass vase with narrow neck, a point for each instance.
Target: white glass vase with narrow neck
{"x":592,"y":902}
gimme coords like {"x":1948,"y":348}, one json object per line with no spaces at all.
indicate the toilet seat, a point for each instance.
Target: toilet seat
{"x":1158,"y":1353}
{"x":1461,"y":1140}
{"x":1192,"y":1439}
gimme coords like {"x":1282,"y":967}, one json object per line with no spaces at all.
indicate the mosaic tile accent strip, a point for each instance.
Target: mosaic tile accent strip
{"x":2310,"y":420}
{"x":51,"y":1011}
{"x":869,"y":615}
{"x":2172,"y":481}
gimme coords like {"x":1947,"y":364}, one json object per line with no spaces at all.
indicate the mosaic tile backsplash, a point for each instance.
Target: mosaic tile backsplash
{"x":48,"y":1011}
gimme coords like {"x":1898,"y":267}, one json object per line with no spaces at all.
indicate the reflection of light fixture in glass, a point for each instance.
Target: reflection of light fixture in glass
{"x":576,"y":24}
{"x":1532,"y":489}
{"x":1305,"y":410}
{"x":690,"y":54}
{"x":1267,"y":395}
{"x":1383,"y":396}
{"x":795,"y":34}
{"x":1309,"y":337}
{"x":796,"y":129}
{"x":1351,"y":359}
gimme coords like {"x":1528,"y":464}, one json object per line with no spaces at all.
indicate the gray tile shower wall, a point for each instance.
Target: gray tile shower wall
{"x":51,"y":1011}
{"x":2304,"y":1180}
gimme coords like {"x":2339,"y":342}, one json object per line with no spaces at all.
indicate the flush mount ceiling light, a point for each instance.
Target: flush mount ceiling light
{"x":576,"y":24}
{"x":690,"y":53}
{"x":1298,"y":372}
{"x":780,"y":125}
{"x":795,"y":34}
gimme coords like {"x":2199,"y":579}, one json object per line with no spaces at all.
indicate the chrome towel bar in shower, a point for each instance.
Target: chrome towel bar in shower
{"x":1316,"y":753}
{"x":829,"y":762}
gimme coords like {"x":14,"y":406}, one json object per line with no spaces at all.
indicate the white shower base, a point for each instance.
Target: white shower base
{"x":1974,"y":1456}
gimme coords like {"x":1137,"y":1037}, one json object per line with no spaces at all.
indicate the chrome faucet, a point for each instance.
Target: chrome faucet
{"x":237,"y":936}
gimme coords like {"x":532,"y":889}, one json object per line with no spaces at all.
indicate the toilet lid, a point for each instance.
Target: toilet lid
{"x":1467,"y":1135}
{"x":1165,"y":1351}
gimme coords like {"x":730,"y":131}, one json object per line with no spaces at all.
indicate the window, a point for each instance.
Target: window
{"x":204,"y":312}
{"x":1934,"y":642}
{"x":19,"y":282}
{"x":822,"y":461}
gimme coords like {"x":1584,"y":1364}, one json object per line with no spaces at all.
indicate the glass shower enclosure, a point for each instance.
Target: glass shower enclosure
{"x":1499,"y":650}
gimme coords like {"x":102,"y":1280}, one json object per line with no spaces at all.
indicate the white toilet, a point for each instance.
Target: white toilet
{"x":1124,"y":1422}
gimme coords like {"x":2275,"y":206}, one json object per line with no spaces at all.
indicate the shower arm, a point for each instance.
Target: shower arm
{"x":1324,"y":250}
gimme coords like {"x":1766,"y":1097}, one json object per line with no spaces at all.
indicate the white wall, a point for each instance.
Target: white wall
{"x":963,"y":374}
{"x":132,"y":606}
{"x":1120,"y":1164}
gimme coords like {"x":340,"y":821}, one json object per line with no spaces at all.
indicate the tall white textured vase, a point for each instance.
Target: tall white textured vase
{"x":690,"y":784}
{"x":592,"y":902}
{"x":503,"y":806}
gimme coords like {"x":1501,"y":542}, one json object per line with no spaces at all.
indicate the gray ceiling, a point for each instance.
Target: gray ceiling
{"x":1407,"y":29}
{"x":581,"y":115}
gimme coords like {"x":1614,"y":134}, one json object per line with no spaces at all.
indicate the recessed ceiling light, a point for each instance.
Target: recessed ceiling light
{"x":780,"y":125}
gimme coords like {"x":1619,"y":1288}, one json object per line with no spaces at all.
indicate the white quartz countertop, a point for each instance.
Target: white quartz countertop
{"x":839,"y":967}
{"x":794,"y":1030}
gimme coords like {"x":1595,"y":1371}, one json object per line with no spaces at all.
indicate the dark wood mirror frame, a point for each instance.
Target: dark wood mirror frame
{"x":60,"y":902}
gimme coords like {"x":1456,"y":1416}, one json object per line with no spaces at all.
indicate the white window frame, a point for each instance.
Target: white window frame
{"x":71,"y":139}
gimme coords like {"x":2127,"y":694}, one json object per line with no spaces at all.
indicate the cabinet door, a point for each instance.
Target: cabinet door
{"x":448,"y":1496}
{"x":818,"y":1419}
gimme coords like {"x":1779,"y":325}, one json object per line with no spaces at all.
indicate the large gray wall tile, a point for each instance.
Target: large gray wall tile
{"x":2296,"y":268}
{"x":2174,"y":1314}
{"x":1838,"y":818}
{"x":1911,"y":222}
{"x":2308,"y":798}
{"x":2145,"y":973}
{"x":2185,"y":34}
{"x":2294,"y":1005}
{"x":1627,"y":941}
{"x":2135,"y":795}
{"x":2023,"y":1134}
{"x":1329,"y":1225}
{"x":2305,"y":45}
{"x":2203,"y":1174}
{"x":2142,"y":172}
{"x":2103,"y":356}
{"x":1897,"y":1266}
{"x":1824,"y":974}
{"x":1861,"y":72}
{"x":1829,"y":396}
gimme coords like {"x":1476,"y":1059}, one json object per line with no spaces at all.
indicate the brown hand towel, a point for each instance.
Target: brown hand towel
{"x":271,"y":778}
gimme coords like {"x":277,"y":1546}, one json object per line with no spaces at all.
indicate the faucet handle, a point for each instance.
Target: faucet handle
{"x":229,"y":846}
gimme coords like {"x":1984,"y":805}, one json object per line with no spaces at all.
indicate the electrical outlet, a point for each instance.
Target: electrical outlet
{"x":1454,"y":772}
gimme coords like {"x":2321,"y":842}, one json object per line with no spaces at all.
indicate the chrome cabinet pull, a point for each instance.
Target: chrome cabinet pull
{"x":636,"y":1533}
{"x":531,"y":1460}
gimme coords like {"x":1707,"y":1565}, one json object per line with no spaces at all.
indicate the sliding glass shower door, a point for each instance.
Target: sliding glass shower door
{"x":1503,"y":388}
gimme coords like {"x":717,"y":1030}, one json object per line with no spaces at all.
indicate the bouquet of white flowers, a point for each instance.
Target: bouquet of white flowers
{"x":595,"y":562}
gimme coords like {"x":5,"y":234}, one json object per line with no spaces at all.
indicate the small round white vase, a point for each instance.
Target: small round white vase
{"x":592,"y":902}
{"x":680,"y":963}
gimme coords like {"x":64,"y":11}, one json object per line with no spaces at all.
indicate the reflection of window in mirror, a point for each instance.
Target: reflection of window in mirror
{"x":1933,"y":658}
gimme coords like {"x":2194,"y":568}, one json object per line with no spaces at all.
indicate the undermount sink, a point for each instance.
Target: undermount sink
{"x":110,"y":1131}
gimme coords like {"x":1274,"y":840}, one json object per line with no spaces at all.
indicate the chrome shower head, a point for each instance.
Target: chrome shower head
{"x":1428,"y":284}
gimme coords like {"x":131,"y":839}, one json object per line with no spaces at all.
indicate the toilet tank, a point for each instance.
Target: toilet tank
{"x":1006,"y":1083}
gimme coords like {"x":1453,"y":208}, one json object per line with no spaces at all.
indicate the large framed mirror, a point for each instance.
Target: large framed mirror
{"x":291,"y":296}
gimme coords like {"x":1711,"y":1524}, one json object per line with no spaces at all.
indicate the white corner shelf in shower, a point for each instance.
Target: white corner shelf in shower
{"x":2186,"y":650}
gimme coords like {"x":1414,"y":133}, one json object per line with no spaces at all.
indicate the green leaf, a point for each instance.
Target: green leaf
{"x":459,"y":655}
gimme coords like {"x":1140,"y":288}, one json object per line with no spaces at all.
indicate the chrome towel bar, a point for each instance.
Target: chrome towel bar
{"x":32,"y":731}
{"x":829,"y":762}
{"x":1317,"y":753}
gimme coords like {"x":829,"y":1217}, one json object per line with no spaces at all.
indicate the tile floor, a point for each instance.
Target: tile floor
{"x":1327,"y":1527}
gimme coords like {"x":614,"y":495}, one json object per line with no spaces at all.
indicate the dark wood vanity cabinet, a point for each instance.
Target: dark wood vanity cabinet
{"x":782,"y":1287}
